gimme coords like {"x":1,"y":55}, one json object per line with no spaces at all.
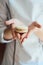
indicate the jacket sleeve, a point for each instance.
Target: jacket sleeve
{"x":4,"y":15}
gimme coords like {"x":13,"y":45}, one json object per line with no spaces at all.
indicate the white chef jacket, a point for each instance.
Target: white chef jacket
{"x":30,"y":51}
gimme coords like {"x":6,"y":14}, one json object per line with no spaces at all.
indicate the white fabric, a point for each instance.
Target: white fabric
{"x":1,"y":31}
{"x":26,"y":10}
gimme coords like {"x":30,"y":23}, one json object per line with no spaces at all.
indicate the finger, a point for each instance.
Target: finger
{"x":9,"y":22}
{"x":37,"y":25}
{"x":18,"y":35}
{"x":13,"y":26}
{"x":23,"y":37}
{"x":13,"y":34}
{"x":27,"y":34}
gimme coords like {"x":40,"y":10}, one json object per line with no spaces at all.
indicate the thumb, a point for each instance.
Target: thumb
{"x":37,"y":25}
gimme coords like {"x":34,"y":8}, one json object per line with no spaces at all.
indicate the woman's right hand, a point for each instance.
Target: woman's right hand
{"x":15,"y":35}
{"x":11,"y":23}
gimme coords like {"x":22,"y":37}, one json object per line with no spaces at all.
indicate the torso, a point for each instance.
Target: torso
{"x":22,"y":10}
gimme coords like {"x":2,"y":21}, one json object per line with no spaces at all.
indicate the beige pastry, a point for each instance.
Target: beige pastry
{"x":21,"y":29}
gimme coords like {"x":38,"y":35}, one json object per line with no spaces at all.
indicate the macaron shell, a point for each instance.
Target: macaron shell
{"x":24,"y":29}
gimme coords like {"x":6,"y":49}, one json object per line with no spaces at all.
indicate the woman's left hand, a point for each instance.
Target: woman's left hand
{"x":30,"y":27}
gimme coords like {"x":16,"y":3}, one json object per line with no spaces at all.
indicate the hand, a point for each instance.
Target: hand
{"x":33,"y":25}
{"x":11,"y":23}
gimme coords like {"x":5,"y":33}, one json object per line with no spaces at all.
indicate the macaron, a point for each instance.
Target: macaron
{"x":21,"y":29}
